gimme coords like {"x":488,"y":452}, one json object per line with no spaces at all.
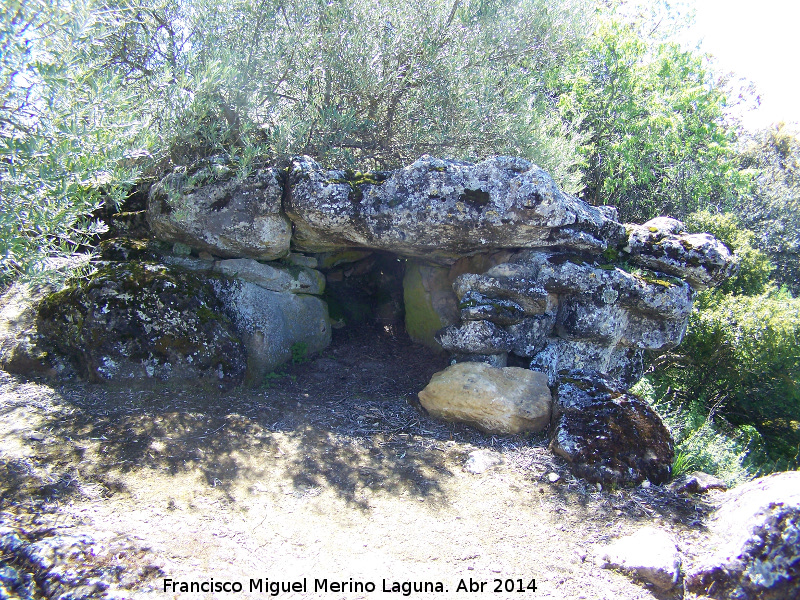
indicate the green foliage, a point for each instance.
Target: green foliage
{"x":740,"y":364}
{"x":652,"y":114}
{"x":66,"y":130}
{"x":367,"y":83}
{"x":700,"y":443}
{"x":772,"y":208}
{"x":299,"y":353}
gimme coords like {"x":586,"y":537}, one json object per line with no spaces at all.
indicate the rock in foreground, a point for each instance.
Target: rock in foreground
{"x":607,"y":435}
{"x":508,"y":400}
{"x":649,"y":554}
{"x":142,"y":320}
{"x":754,"y":543}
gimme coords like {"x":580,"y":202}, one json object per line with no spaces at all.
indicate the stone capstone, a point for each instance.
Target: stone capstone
{"x":229,"y":218}
{"x":440,"y":210}
{"x":650,"y":555}
{"x":508,"y":400}
{"x":608,"y":436}
{"x":142,"y":320}
{"x":753,"y":543}
{"x":662,"y":244}
{"x":273,"y":325}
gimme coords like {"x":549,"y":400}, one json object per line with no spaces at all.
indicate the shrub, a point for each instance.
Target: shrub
{"x":740,"y":363}
{"x":366,"y":83}
{"x":66,"y":126}
{"x":702,"y":445}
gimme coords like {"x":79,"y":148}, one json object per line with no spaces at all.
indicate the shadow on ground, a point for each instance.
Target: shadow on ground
{"x":346,"y":420}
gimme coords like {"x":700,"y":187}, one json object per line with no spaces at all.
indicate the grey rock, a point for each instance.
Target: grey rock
{"x":529,"y":336}
{"x":301,"y":260}
{"x":608,"y":436}
{"x":228,"y":218}
{"x":505,"y":282}
{"x":564,"y":273}
{"x":142,"y":320}
{"x":650,"y":554}
{"x":474,"y":337}
{"x":753,"y":547}
{"x":198,"y":265}
{"x":591,"y":316}
{"x":567,"y":355}
{"x":647,"y":332}
{"x":480,"y":461}
{"x":78,"y":566}
{"x":697,"y":482}
{"x":271,"y":323}
{"x":439,"y":210}
{"x":475,"y":306}
{"x":20,"y":349}
{"x":275,"y":277}
{"x":625,"y":366}
{"x":582,"y":319}
{"x":662,"y":244}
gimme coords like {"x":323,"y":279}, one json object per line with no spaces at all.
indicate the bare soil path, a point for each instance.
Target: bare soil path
{"x":330,"y":471}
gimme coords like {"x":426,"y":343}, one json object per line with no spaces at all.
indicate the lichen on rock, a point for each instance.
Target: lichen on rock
{"x":142,"y":320}
{"x":228,"y":218}
{"x":607,"y":435}
{"x":441,"y":210}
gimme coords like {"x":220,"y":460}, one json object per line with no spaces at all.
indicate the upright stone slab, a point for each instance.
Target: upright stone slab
{"x":430,"y":303}
{"x":274,"y":324}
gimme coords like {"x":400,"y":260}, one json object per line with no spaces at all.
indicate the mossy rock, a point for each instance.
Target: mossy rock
{"x":123,"y":249}
{"x":422,"y":320}
{"x":138,"y":319}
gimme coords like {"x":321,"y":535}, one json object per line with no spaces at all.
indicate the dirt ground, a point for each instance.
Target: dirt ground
{"x":331,"y":471}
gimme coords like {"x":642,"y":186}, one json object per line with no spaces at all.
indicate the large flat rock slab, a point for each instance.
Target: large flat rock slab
{"x":441,"y":209}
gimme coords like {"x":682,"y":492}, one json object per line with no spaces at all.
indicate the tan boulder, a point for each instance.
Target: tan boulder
{"x":507,"y":400}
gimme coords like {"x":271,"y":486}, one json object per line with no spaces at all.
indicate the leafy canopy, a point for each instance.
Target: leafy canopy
{"x":65,"y":126}
{"x":656,"y":142}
